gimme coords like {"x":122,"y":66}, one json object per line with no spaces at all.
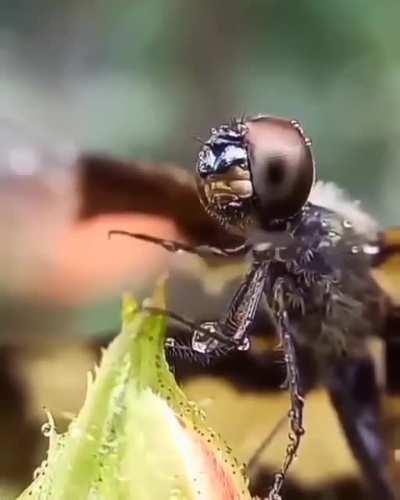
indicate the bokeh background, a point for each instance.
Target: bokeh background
{"x":142,"y":79}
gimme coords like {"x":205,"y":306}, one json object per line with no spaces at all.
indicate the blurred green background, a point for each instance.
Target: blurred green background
{"x":144,"y":77}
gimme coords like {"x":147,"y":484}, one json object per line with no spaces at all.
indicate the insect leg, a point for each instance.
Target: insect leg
{"x":240,"y":315}
{"x":176,"y":246}
{"x":180,"y":344}
{"x":293,"y":384}
{"x":230,"y":333}
{"x":355,"y":395}
{"x":244,"y":305}
{"x":193,"y":327}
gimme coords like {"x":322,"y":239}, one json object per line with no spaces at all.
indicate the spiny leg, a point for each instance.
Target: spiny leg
{"x":213,"y":333}
{"x":201,"y":343}
{"x":233,"y":328}
{"x":176,"y":246}
{"x":237,"y":321}
{"x":243,"y":307}
{"x":293,"y":383}
{"x":181,"y":348}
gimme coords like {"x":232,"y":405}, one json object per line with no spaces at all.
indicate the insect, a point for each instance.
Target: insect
{"x":311,"y":253}
{"x":97,"y":185}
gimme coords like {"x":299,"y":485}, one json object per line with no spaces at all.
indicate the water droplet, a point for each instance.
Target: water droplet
{"x":324,"y":223}
{"x":75,"y":431}
{"x":245,"y":345}
{"x":355,"y":249}
{"x":324,"y":244}
{"x":347,"y":224}
{"x":262,"y":247}
{"x":46,"y":429}
{"x":119,"y":409}
{"x":40,"y":470}
{"x":371,"y":249}
{"x":170,"y":342}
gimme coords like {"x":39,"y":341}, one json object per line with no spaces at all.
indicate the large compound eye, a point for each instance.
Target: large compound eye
{"x":282,"y":165}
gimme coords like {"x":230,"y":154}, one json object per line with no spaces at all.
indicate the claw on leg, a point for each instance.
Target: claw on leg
{"x":204,"y":332}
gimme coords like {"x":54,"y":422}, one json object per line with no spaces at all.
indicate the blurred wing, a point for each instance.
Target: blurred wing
{"x":115,"y":189}
{"x":56,"y":208}
{"x":110,"y":186}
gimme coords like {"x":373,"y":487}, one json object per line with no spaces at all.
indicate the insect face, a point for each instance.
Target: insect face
{"x":255,"y":171}
{"x":223,"y":175}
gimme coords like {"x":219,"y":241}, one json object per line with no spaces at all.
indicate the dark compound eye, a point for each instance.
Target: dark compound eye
{"x":282,"y":166}
{"x":276,"y":171}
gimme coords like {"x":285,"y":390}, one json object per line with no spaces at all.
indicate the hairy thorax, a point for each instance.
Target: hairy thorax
{"x":320,"y":276}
